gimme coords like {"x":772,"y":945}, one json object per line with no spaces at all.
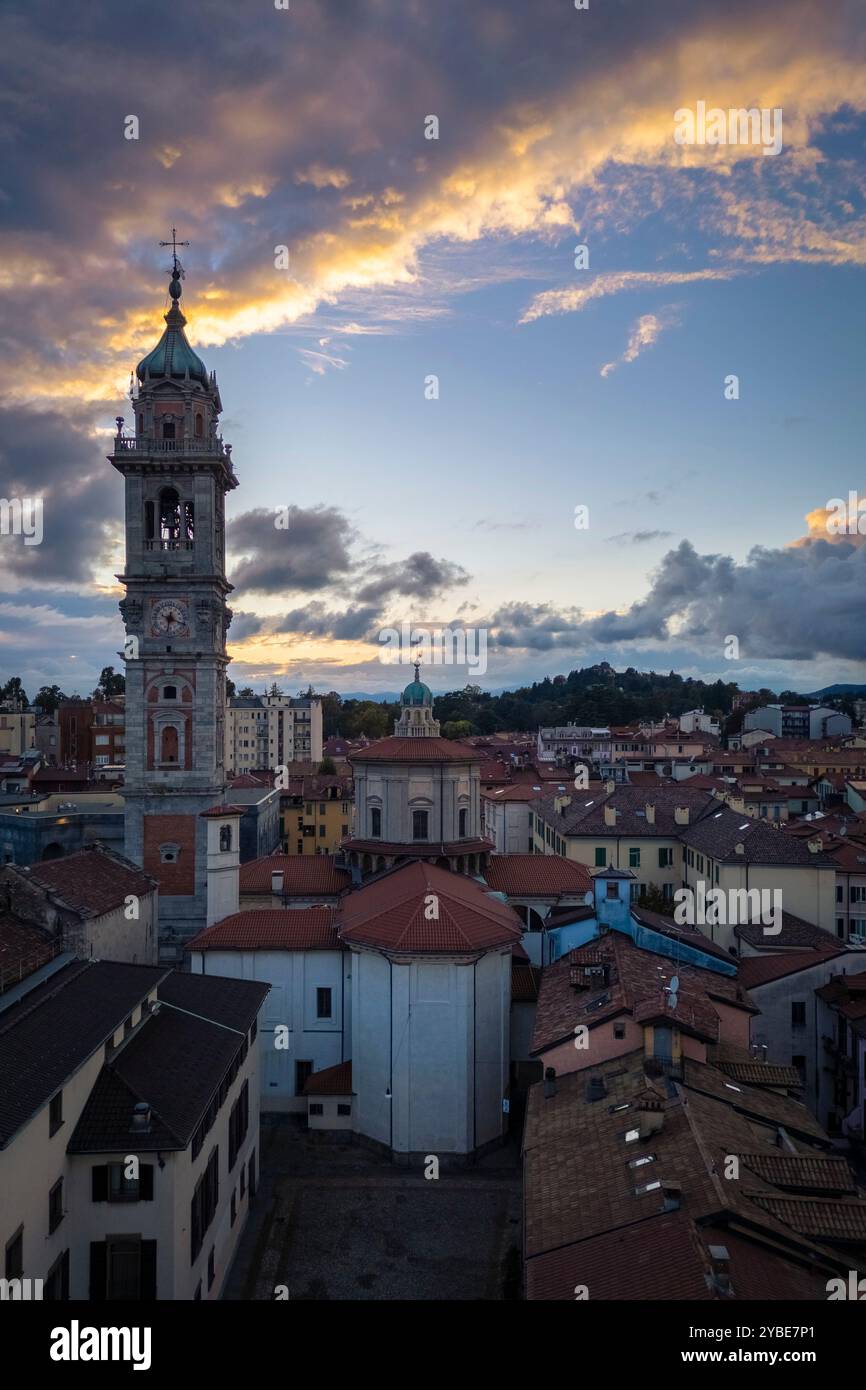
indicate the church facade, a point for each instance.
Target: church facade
{"x":176,"y":472}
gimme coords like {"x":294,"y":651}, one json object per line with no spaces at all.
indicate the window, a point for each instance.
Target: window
{"x":168,"y":429}
{"x":15,"y":1255}
{"x":225,"y":838}
{"x":323,"y":830}
{"x":376,"y":823}
{"x":199,"y":425}
{"x":55,"y":1206}
{"x":55,"y":1113}
{"x":600,"y":858}
{"x":419,"y":825}
{"x":647,"y":1187}
{"x":169,"y":692}
{"x":316,"y":1109}
{"x":462,"y":818}
{"x":303,"y":1070}
{"x":57,"y":1280}
{"x":109,"y":1183}
{"x":239,"y":1120}
{"x":204,"y":1204}
{"x":632,"y":1135}
{"x":634,"y":858}
{"x":798,"y":1014}
{"x":666,"y":858}
{"x":642,"y":1161}
{"x":323,"y":1003}
{"x":611,"y":889}
{"x":168,"y":854}
{"x":344,"y":1109}
{"x":619,"y":1029}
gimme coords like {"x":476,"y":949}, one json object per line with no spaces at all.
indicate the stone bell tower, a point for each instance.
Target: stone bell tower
{"x":177,"y":472}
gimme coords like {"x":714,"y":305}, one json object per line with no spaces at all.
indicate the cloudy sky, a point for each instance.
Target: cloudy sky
{"x":560,"y":385}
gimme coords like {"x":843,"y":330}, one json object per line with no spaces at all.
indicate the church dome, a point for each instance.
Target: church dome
{"x":173,"y":357}
{"x":417,"y":693}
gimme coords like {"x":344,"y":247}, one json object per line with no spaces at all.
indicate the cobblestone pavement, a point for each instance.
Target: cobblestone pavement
{"x":338,"y":1222}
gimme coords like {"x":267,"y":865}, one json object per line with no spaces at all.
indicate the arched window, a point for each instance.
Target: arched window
{"x":376,"y":823}
{"x":462,"y":823}
{"x":199,"y":426}
{"x":168,"y":427}
{"x":169,"y":517}
{"x":225,"y":838}
{"x":168,"y":745}
{"x":169,"y":692}
{"x":419,"y":825}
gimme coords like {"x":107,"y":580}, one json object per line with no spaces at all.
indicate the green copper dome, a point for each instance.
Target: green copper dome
{"x":417,"y":693}
{"x":173,"y":357}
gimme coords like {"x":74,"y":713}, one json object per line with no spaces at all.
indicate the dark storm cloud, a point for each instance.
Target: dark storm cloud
{"x":419,"y":575}
{"x":797,"y":604}
{"x":44,"y":454}
{"x":311,"y":553}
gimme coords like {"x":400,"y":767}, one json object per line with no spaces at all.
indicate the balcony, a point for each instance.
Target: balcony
{"x":145,"y":444}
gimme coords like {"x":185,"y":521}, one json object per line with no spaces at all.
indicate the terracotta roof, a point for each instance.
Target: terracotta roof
{"x":391,"y":913}
{"x":223,"y":809}
{"x":795,"y":934}
{"x":826,"y":1218}
{"x":524,"y":983}
{"x":93,"y":881}
{"x":400,"y":749}
{"x":826,"y":1172}
{"x":632,"y":986}
{"x":418,"y":849}
{"x":763,"y":1074}
{"x":536,"y":875}
{"x":762,"y":970}
{"x":330,"y":1081}
{"x":657,"y":1259}
{"x":23,"y":949}
{"x":304,"y":875}
{"x":271,"y":929}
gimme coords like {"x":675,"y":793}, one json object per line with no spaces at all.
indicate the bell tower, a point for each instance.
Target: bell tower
{"x":177,"y":472}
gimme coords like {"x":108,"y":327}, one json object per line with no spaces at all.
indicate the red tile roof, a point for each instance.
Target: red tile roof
{"x":330,"y":1081}
{"x":761,"y":970}
{"x":536,"y":875}
{"x":524,"y":983}
{"x":223,"y":809}
{"x":271,"y":929}
{"x":304,"y":875}
{"x":400,"y":749}
{"x":390,"y":913}
{"x":93,"y":881}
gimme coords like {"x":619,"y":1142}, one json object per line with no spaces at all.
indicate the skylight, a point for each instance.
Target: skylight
{"x":631,"y":1135}
{"x":615,"y":1109}
{"x":732,"y":1087}
{"x":639,"y":1162}
{"x":647,"y":1187}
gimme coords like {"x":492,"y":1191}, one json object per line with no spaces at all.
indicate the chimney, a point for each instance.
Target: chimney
{"x":560,"y":803}
{"x":720,"y":1261}
{"x":650,"y":813}
{"x":651,"y":1118}
{"x":739,"y":847}
{"x":681,"y":815}
{"x":610,"y":786}
{"x":141,"y":1118}
{"x":815,"y":846}
{"x":549,"y":1083}
{"x":610,"y":815}
{"x":277,"y":883}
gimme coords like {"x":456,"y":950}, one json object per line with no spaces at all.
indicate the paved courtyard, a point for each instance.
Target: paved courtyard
{"x":334,"y":1222}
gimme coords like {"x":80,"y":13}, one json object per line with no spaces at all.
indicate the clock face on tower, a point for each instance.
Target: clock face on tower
{"x":169,"y":617}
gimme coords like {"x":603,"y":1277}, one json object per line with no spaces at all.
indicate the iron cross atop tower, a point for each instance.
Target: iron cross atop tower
{"x":174,"y":244}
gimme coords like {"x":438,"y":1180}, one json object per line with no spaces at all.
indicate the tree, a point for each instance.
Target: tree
{"x":457,"y":728}
{"x":14,"y":690}
{"x":654,"y":900}
{"x":230,"y":689}
{"x":110,"y":684}
{"x":328,"y":767}
{"x":247,"y":693}
{"x":48,"y":697}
